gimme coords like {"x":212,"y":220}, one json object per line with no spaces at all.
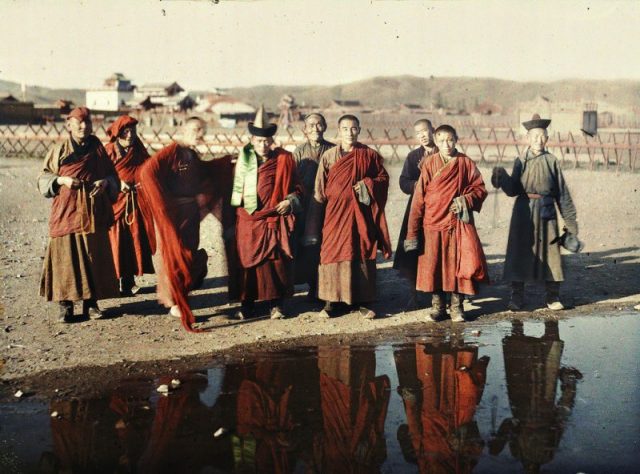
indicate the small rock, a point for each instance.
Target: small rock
{"x":19,"y":275}
{"x":220,"y":431}
{"x":164,"y":388}
{"x":18,"y":394}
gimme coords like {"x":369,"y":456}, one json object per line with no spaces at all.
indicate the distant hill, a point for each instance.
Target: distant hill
{"x":43,"y":95}
{"x":389,"y":92}
{"x":459,"y":92}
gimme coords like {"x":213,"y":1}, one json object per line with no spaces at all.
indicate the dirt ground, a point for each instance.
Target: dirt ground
{"x":138,"y":330}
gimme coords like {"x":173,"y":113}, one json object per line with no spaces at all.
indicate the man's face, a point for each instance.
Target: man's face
{"x":79,"y":129}
{"x":261,"y":145}
{"x":424,"y":134}
{"x":193,"y":133}
{"x":446,"y":143}
{"x":127,"y":135}
{"x":314,"y":128}
{"x":537,"y":139}
{"x":349,"y":131}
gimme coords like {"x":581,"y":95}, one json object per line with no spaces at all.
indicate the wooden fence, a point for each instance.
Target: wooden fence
{"x":616,"y":149}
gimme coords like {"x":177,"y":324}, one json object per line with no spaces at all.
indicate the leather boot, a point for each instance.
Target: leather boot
{"x":66,"y":311}
{"x":516,"y":303}
{"x":456,"y":311}
{"x":438,"y":307}
{"x":553,"y":296}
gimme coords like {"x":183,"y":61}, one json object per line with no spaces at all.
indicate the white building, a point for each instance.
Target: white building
{"x":112,"y":96}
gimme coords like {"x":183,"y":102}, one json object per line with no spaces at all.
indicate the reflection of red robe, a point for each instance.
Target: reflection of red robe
{"x":129,"y":241}
{"x":264,"y":412}
{"x":262,"y":238}
{"x":450,"y":396}
{"x":353,"y":414}
{"x":453,"y":259}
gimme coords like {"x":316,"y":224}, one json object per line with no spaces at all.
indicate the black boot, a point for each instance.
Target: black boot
{"x":66,"y":311}
{"x":276,"y":311}
{"x":90,"y":310}
{"x":553,"y":296}
{"x":516,"y":303}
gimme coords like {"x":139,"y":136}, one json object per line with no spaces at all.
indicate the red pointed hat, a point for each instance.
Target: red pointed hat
{"x":536,"y":122}
{"x":80,"y":113}
{"x":119,"y":125}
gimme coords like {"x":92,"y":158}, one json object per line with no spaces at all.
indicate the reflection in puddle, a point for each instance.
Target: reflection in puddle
{"x":506,"y":400}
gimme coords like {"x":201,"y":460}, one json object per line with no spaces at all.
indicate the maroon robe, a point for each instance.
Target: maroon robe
{"x":453,"y":259}
{"x":78,"y":264}
{"x":171,"y":180}
{"x":129,"y":241}
{"x":352,"y":232}
{"x":263,"y":238}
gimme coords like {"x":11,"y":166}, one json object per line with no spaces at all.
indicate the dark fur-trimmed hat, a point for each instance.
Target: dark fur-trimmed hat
{"x":536,"y":122}
{"x":261,"y":127}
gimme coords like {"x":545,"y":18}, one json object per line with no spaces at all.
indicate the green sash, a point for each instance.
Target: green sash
{"x":245,"y":181}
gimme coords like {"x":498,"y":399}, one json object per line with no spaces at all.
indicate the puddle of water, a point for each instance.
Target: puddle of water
{"x":551,"y":397}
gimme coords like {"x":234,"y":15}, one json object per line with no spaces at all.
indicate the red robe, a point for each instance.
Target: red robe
{"x":453,"y":259}
{"x":353,"y":231}
{"x":129,"y":241}
{"x":263,"y":238}
{"x":173,"y":181}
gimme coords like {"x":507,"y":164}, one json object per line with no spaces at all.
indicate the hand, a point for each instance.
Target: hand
{"x":356,"y":187}
{"x":410,"y":245}
{"x":454,"y":207}
{"x":124,"y":187}
{"x":68,"y":181}
{"x":98,"y":187}
{"x":283,"y":207}
{"x":497,"y":175}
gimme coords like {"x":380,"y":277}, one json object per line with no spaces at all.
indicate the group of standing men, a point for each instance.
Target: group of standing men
{"x":316,"y":216}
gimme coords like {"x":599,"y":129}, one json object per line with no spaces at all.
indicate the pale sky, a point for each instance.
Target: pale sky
{"x":72,"y":43}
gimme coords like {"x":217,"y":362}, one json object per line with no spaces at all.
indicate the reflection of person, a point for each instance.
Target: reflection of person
{"x":128,"y":235}
{"x":266,"y":193}
{"x":533,"y":251}
{"x":407,"y":262}
{"x":441,"y":384}
{"x":449,"y":189}
{"x":532,"y":366}
{"x":275,"y":406}
{"x":84,"y":437}
{"x":80,"y":178}
{"x":307,"y":157}
{"x":354,"y":408}
{"x":348,"y":209}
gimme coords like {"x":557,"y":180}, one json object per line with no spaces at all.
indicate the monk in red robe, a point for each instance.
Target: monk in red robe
{"x":348,"y":208}
{"x":449,"y":189}
{"x":267,"y":193}
{"x":79,"y":176}
{"x":172,"y":180}
{"x":129,"y":241}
